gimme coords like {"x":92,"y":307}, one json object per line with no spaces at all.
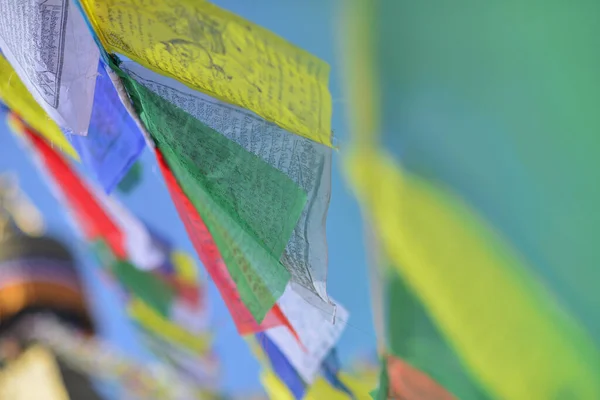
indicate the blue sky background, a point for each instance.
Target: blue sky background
{"x":310,"y":24}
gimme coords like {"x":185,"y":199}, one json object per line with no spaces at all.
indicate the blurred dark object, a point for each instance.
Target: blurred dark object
{"x":38,"y":277}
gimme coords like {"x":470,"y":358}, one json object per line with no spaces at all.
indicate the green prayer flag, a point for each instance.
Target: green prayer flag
{"x":149,"y":288}
{"x":142,"y":284}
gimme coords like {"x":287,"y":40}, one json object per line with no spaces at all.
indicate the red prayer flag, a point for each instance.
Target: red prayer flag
{"x":409,"y":383}
{"x":93,"y":219}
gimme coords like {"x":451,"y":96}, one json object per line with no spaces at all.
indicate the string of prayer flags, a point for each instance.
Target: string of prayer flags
{"x":183,"y":345}
{"x":145,"y":252}
{"x":188,"y":309}
{"x":17,"y":97}
{"x":313,"y":175}
{"x":305,"y":162}
{"x":310,"y":364}
{"x":51,"y":49}
{"x":153,"y":300}
{"x":166,"y":326}
{"x":149,"y":252}
{"x":221,"y":54}
{"x":157,"y":305}
{"x":240,"y":124}
{"x":446,"y":133}
{"x":230,"y":188}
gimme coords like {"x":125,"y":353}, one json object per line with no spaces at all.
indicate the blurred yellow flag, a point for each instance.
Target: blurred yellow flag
{"x":276,"y":390}
{"x":168,"y":330}
{"x":185,"y":266}
{"x":361,"y":385}
{"x":437,"y":244}
{"x":223,"y":55}
{"x":16,"y":96}
{"x":320,"y":389}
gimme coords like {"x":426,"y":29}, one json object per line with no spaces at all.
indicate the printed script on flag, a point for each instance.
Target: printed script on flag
{"x":53,"y":52}
{"x":305,"y":162}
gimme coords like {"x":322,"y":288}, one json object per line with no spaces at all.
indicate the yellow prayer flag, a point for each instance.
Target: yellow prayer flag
{"x":223,"y":55}
{"x":185,"y":266}
{"x":320,"y":389}
{"x":437,"y":243}
{"x":17,"y":97}
{"x":258,"y":352}
{"x":276,"y":390}
{"x":361,"y":385}
{"x":155,"y":323}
